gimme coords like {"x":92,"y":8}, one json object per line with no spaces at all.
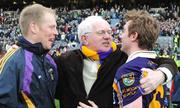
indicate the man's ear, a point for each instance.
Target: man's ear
{"x":134,"y":36}
{"x":84,"y":39}
{"x":33,"y":27}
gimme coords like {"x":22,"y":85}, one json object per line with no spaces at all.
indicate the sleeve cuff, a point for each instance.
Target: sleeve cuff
{"x":167,"y":72}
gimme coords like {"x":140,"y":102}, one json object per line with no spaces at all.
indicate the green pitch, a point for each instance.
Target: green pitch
{"x":57,"y":103}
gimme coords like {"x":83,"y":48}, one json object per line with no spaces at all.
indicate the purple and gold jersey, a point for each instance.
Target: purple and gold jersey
{"x":127,"y":84}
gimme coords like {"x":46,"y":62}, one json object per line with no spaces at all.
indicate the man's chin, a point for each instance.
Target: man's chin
{"x":122,"y":49}
{"x":48,"y":47}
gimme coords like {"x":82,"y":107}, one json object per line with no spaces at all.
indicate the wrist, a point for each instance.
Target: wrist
{"x":163,"y":76}
{"x":167,"y":72}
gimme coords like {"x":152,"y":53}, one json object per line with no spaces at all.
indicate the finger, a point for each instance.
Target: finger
{"x":83,"y":105}
{"x":14,"y":46}
{"x":79,"y":107}
{"x":148,"y":90}
{"x":143,"y":80}
{"x":146,"y":85}
{"x":93,"y":104}
{"x":144,"y":91}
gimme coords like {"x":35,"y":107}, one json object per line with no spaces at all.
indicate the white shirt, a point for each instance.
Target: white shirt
{"x":90,"y":70}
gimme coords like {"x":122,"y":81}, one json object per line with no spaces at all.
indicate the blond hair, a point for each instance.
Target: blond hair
{"x":34,"y":13}
{"x":146,"y":27}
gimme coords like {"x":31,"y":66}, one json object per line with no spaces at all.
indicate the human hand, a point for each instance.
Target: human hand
{"x":82,"y":105}
{"x":152,"y":80}
{"x":15,"y":46}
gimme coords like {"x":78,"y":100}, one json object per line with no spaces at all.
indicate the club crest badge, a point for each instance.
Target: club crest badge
{"x":128,"y":79}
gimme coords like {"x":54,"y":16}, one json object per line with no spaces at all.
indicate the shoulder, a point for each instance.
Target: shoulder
{"x":11,"y":53}
{"x":134,"y":66}
{"x":72,"y":53}
{"x":69,"y":56}
{"x":9,"y":58}
{"x":119,"y":55}
{"x":119,"y":52}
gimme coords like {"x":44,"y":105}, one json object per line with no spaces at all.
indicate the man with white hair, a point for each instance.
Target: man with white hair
{"x":86,"y":75}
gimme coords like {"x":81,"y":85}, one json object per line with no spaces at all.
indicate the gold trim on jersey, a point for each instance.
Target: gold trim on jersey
{"x":3,"y":60}
{"x":156,"y":103}
{"x":27,"y":100}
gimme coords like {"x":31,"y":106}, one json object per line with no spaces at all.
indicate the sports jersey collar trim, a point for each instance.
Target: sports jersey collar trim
{"x":146,"y":54}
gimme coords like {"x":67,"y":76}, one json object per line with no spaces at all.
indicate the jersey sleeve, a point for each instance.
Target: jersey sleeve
{"x":129,"y":84}
{"x":8,"y":91}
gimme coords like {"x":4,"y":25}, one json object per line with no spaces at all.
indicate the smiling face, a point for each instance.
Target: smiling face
{"x":100,"y":39}
{"x":47,"y":30}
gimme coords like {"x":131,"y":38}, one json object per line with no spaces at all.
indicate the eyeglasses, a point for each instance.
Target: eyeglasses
{"x":103,"y":32}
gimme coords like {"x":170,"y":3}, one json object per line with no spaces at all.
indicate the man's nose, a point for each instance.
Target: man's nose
{"x":56,"y":31}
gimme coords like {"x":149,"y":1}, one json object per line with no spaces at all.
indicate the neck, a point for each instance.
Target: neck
{"x":31,"y":39}
{"x":134,"y":49}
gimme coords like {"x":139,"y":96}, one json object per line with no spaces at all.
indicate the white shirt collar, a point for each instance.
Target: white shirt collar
{"x":147,"y":54}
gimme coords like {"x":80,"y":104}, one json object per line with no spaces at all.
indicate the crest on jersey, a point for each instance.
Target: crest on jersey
{"x":128,"y":79}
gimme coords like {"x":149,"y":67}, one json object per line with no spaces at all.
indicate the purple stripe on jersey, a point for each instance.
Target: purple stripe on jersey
{"x":51,"y":60}
{"x":27,"y":72}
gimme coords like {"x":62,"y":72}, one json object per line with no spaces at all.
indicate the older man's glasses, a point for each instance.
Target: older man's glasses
{"x":103,"y":32}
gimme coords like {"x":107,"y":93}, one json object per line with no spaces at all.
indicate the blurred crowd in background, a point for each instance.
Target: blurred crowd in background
{"x":68,"y":20}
